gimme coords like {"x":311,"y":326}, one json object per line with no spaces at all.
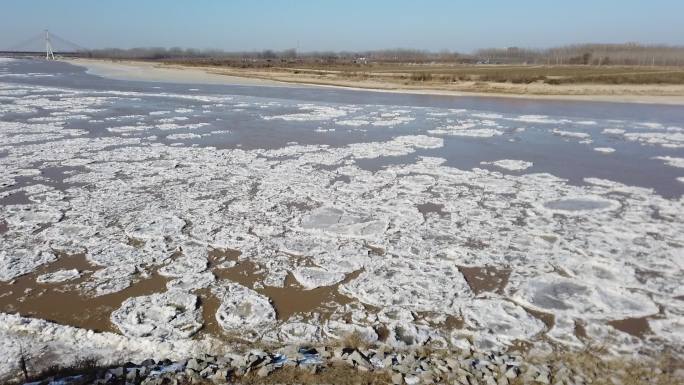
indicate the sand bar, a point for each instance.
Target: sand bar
{"x":154,"y":72}
{"x":672,"y":94}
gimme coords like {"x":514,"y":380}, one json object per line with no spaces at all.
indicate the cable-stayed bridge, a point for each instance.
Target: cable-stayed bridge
{"x":47,"y":45}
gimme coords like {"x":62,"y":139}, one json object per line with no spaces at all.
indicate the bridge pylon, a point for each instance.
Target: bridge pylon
{"x":48,"y":47}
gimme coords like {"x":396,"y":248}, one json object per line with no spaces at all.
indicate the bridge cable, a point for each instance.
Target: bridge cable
{"x":72,"y":45}
{"x":38,"y":38}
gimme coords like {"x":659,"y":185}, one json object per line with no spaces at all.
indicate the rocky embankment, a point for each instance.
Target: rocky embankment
{"x":337,"y":365}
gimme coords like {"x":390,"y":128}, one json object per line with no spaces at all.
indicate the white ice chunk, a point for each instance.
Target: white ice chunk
{"x":184,"y":266}
{"x":670,"y":329}
{"x":59,"y":276}
{"x":299,"y":332}
{"x":671,"y":161}
{"x":17,"y":262}
{"x":243,"y":310}
{"x":574,"y":298}
{"x":579,"y":205}
{"x":192,"y":282}
{"x":339,"y":330}
{"x":152,"y":225}
{"x":613,"y":131}
{"x":461,"y":131}
{"x":499,"y":322}
{"x":571,"y":134}
{"x":313,"y":277}
{"x":170,"y":315}
{"x":311,"y":113}
{"x":183,"y":136}
{"x":333,"y":220}
{"x":510,"y":164}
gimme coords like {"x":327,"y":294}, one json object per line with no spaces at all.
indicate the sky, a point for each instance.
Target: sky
{"x":336,"y":25}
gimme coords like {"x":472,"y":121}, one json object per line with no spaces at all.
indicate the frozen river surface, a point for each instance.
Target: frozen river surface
{"x":180,"y":213}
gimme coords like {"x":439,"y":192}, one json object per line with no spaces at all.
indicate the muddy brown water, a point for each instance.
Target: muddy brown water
{"x":427,"y":208}
{"x":63,"y":302}
{"x":450,"y":322}
{"x":486,"y":278}
{"x":210,"y":305}
{"x":289,"y":300}
{"x":548,"y":319}
{"x":581,"y":330}
{"x":637,"y":327}
{"x":17,"y":198}
{"x":292,"y":298}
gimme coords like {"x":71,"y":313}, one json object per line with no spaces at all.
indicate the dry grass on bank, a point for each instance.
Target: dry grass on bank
{"x":338,"y":375}
{"x":515,"y":74}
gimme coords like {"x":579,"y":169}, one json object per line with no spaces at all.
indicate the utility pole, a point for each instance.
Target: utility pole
{"x":48,"y":47}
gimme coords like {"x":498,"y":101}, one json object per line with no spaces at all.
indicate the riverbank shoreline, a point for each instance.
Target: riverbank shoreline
{"x":43,"y":352}
{"x":173,"y":73}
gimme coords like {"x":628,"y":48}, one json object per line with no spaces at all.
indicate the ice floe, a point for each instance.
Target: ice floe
{"x":192,"y":282}
{"x":572,"y":298}
{"x":170,"y":315}
{"x":500,"y":318}
{"x":672,"y":161}
{"x":332,"y":220}
{"x":59,"y":276}
{"x":110,"y":280}
{"x":571,"y":134}
{"x":665,"y":139}
{"x":313,"y":277}
{"x":17,"y":262}
{"x":539,"y":119}
{"x":402,"y":145}
{"x":243,"y":311}
{"x":613,"y":131}
{"x":580,"y":204}
{"x":510,"y":164}
{"x":353,"y":122}
{"x":311,"y":112}
{"x":477,"y":133}
{"x":183,"y":136}
{"x":470,"y":127}
{"x":604,"y":150}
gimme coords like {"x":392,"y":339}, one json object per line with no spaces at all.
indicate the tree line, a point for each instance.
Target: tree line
{"x":579,"y":54}
{"x":589,"y":54}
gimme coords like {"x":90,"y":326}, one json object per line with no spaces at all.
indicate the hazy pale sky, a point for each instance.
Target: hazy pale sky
{"x":343,"y":25}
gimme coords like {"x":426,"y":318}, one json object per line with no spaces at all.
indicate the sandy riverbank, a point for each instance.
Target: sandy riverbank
{"x":157,"y":72}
